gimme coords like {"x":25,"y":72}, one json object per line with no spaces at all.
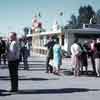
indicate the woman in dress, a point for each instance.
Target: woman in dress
{"x":57,"y":56}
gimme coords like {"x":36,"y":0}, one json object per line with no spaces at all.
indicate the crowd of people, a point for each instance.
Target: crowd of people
{"x":15,"y":51}
{"x":80,"y":54}
{"x":54,"y":53}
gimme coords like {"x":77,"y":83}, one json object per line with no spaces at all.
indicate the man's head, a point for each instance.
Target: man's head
{"x":13,"y":36}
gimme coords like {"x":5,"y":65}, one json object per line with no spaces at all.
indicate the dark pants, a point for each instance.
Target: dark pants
{"x":48,"y":66}
{"x":24,"y":57}
{"x":4,"y":58}
{"x":13,"y":70}
{"x":93,"y":63}
{"x":0,"y":58}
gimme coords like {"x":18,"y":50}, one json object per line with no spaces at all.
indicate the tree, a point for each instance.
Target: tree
{"x":98,"y":16}
{"x":73,"y":20}
{"x":85,"y":14}
{"x":26,"y":30}
{"x":61,"y":13}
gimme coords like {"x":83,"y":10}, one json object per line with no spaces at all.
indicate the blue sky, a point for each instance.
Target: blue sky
{"x":16,"y":14}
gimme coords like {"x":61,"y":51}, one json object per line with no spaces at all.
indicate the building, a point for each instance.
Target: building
{"x":82,"y":34}
{"x":66,"y":37}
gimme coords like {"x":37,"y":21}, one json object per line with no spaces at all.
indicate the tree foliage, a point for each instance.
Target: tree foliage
{"x":85,"y":13}
{"x":26,"y":30}
{"x":98,"y":16}
{"x":73,"y":19}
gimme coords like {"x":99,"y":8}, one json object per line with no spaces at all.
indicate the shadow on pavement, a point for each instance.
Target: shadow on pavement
{"x":47,"y":91}
{"x":89,"y":73}
{"x":22,"y":66}
{"x":4,"y":92}
{"x":21,"y":78}
{"x":32,"y":69}
{"x":68,"y":72}
{"x":84,"y":73}
{"x":56,"y":91}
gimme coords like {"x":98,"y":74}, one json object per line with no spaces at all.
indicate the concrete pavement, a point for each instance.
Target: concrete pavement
{"x":35,"y":84}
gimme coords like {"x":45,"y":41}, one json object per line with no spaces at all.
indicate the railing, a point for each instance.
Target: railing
{"x":80,"y":26}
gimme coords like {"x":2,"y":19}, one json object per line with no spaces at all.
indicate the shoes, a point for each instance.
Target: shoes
{"x":13,"y":91}
{"x":98,"y":75}
{"x":57,"y":73}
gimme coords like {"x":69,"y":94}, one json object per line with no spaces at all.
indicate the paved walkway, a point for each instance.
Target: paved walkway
{"x":35,"y":84}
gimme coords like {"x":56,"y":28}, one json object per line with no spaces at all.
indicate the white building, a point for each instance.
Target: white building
{"x":66,"y":37}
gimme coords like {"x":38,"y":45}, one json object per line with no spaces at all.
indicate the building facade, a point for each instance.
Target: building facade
{"x":66,"y":37}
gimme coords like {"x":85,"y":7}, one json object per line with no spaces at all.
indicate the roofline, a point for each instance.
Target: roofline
{"x":46,"y":33}
{"x":85,"y":30}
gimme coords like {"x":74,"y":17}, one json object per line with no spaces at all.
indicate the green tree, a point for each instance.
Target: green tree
{"x":73,"y":20}
{"x":85,"y":14}
{"x":26,"y":30}
{"x":98,"y":16}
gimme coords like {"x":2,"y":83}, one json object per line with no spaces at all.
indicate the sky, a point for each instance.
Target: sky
{"x":17,"y":14}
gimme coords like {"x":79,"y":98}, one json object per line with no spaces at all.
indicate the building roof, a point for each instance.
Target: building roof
{"x":47,"y":33}
{"x":85,"y":31}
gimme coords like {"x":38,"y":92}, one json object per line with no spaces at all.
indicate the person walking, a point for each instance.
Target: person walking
{"x":49,"y":46}
{"x":57,"y":57}
{"x":13,"y":60}
{"x":97,"y":57}
{"x":24,"y":53}
{"x":83,"y":58}
{"x":92,"y":52}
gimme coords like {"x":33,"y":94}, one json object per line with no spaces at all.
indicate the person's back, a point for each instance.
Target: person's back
{"x":49,"y":46}
{"x":75,"y":49}
{"x":92,"y":46}
{"x":92,"y":52}
{"x":57,"y":57}
{"x":97,"y":52}
{"x":57,"y":51}
{"x":24,"y":49}
{"x":24,"y":54}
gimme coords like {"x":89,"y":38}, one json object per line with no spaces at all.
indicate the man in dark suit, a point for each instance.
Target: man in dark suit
{"x":49,"y":45}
